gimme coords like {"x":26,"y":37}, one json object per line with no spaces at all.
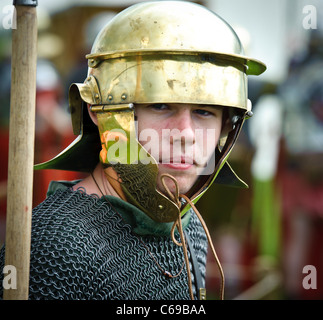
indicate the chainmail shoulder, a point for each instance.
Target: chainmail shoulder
{"x":82,"y":249}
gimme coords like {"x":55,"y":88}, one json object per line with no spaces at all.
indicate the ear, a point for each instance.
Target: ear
{"x":92,"y":115}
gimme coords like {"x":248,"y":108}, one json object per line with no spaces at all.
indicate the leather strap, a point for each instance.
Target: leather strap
{"x":196,"y":270}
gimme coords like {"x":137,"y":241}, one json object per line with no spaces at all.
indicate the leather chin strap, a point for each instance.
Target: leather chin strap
{"x":178,"y":223}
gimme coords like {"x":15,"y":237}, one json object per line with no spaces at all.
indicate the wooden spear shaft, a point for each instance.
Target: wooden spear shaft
{"x":21,"y":148}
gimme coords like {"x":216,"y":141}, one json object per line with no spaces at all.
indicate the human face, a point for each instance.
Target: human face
{"x":187,"y":135}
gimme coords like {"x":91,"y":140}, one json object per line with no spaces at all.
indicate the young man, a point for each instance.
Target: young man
{"x":157,"y":117}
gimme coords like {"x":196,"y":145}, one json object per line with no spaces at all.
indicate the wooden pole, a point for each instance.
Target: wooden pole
{"x":21,"y":147}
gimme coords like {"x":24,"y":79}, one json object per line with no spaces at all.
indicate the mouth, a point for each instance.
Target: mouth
{"x":178,"y":166}
{"x":183,"y":163}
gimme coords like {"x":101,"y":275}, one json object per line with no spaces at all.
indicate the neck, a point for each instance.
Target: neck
{"x":101,"y":183}
{"x":110,"y":183}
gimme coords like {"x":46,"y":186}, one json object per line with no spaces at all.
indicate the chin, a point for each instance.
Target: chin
{"x":183,"y":185}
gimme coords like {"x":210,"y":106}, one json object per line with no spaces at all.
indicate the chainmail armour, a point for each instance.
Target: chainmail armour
{"x":81,"y":248}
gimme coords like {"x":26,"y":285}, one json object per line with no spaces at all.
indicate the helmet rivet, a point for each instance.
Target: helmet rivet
{"x":96,"y":96}
{"x":124,"y":97}
{"x":249,"y":114}
{"x":110,"y":97}
{"x":160,"y":207}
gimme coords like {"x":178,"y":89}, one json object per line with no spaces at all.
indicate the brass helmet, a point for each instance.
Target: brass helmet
{"x":159,"y":52}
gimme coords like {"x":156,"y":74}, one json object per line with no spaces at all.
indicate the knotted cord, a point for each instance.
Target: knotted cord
{"x":178,"y":224}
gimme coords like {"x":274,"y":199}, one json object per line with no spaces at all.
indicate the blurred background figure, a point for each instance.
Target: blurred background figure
{"x":301,"y":170}
{"x":265,"y":131}
{"x":53,"y":127}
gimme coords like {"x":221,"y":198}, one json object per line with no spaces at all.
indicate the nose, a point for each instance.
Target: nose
{"x":182,"y":127}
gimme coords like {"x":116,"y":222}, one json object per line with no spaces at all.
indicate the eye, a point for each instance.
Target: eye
{"x":158,"y":106}
{"x":204,"y":113}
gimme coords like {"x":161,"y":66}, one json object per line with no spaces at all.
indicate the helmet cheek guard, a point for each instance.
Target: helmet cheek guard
{"x":157,"y":52}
